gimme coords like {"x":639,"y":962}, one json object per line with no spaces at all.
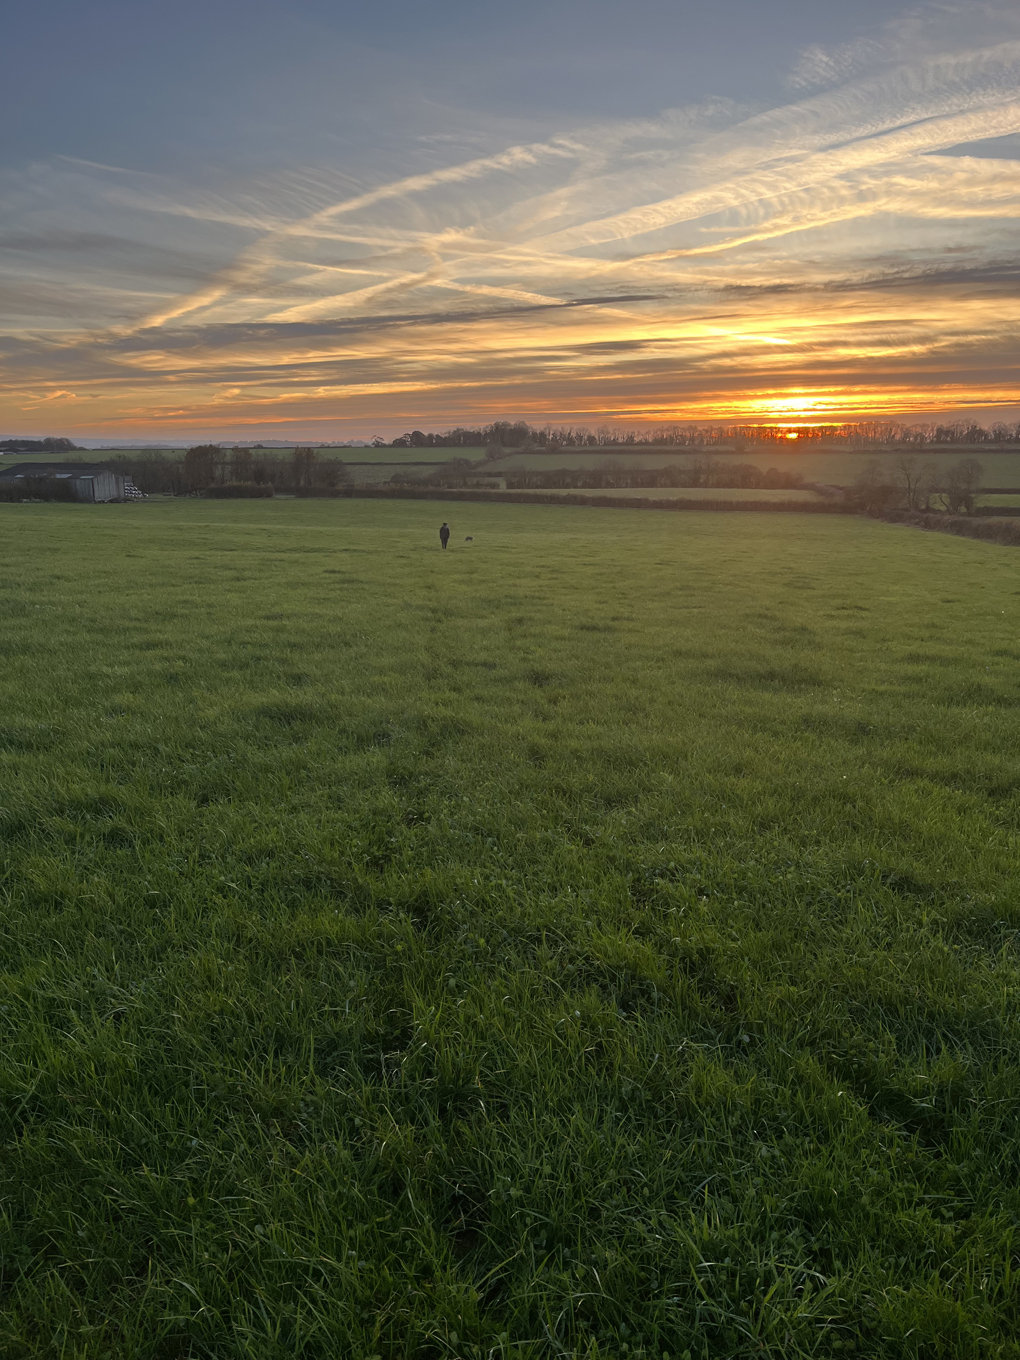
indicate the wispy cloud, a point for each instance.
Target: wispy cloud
{"x":823,"y":255}
{"x":817,"y":67}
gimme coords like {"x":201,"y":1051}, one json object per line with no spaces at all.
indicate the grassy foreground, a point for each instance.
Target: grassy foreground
{"x":597,"y":940}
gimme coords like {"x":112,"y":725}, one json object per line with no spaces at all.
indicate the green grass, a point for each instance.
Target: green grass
{"x":597,"y":940}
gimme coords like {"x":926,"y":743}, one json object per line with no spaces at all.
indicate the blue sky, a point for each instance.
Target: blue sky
{"x":332,"y":219}
{"x":196,"y":88}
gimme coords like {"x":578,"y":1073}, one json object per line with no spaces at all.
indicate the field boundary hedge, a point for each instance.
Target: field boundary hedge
{"x":36,"y":489}
{"x":240,"y":491}
{"x":600,"y":502}
{"x":967,"y":526}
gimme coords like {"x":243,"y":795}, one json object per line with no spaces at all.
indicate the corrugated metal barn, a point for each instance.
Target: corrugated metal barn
{"x":89,"y":483}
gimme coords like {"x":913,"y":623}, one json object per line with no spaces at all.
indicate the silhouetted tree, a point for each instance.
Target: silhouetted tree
{"x":874,"y":489}
{"x":241,"y":465}
{"x":916,"y":480}
{"x":303,"y":465}
{"x":48,"y":445}
{"x":331,"y":473}
{"x":959,"y":484}
{"x":200,"y":466}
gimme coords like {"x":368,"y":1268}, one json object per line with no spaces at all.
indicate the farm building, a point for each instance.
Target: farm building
{"x":89,"y":483}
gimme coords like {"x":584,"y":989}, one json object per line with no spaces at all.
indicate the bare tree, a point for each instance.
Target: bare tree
{"x":331,"y":473}
{"x":959,"y":485}
{"x":874,"y":488}
{"x":916,"y":480}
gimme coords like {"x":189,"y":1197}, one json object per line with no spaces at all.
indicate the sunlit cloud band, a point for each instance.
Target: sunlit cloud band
{"x":851,"y":253}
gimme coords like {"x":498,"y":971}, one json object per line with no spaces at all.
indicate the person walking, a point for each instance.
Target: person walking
{"x":444,"y":534}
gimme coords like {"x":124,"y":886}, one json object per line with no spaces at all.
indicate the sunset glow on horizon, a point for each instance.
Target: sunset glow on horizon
{"x":849,"y":252}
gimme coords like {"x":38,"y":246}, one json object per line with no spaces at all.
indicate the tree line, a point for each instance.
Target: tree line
{"x":210,"y":469}
{"x":504,"y":434}
{"x":48,"y":445}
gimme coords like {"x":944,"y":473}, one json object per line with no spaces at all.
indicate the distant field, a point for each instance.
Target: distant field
{"x":87,"y":456}
{"x":383,"y":470}
{"x":82,"y":456}
{"x":840,"y":469}
{"x":693,"y":493}
{"x":398,"y":456}
{"x":395,"y":457}
{"x":596,"y":940}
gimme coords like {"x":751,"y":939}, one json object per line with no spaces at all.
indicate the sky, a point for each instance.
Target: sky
{"x":332,"y":220}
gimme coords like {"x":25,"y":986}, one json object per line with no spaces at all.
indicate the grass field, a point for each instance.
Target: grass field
{"x":597,"y":940}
